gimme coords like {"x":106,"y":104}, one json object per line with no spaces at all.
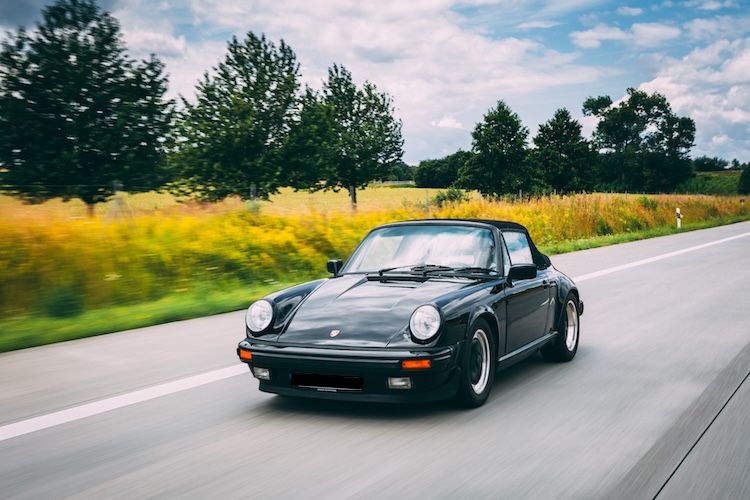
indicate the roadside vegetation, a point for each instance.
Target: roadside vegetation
{"x":66,"y":276}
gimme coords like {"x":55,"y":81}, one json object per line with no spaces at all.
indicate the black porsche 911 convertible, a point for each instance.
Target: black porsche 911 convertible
{"x":422,"y":310}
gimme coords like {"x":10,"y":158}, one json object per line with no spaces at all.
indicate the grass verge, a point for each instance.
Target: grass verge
{"x":616,"y":239}
{"x":30,"y":331}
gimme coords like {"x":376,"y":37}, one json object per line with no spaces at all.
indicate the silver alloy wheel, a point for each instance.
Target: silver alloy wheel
{"x":480,"y":361}
{"x":571,"y":329}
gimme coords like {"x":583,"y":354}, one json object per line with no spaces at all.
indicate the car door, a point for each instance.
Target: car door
{"x":528,"y":300}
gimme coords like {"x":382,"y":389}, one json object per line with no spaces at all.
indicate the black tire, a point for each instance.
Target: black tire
{"x":477,"y":366}
{"x":565,"y":345}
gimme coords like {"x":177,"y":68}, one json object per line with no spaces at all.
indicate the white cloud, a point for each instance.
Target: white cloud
{"x":629,"y":11}
{"x":712,"y":4}
{"x":711,"y":85}
{"x":640,"y":35}
{"x":447,"y":122}
{"x":593,"y":38}
{"x":653,"y":34}
{"x":717,"y":28}
{"x":538,"y":25}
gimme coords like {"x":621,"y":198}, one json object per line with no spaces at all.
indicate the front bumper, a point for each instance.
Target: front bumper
{"x":353,"y":374}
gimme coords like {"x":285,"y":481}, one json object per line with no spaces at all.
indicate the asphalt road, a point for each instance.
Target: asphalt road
{"x":655,"y":405}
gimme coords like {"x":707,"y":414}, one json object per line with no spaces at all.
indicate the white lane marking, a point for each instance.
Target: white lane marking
{"x":34,"y":424}
{"x":642,"y":262}
{"x":22,"y":427}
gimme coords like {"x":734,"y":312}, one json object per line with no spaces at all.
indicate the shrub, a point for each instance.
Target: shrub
{"x":648,"y":203}
{"x":62,"y":301}
{"x":451,"y":195}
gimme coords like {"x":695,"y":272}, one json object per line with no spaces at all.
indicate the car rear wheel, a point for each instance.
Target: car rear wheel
{"x":477,"y":367}
{"x":565,"y":345}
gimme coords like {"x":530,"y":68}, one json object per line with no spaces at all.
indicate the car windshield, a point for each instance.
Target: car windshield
{"x":416,"y":247}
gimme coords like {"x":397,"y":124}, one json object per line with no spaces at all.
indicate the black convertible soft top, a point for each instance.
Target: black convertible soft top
{"x":541,"y":260}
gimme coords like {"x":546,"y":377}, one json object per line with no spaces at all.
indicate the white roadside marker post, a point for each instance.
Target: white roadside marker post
{"x":679,"y":219}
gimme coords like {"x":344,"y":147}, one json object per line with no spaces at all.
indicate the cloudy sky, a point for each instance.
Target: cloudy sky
{"x":445,"y":63}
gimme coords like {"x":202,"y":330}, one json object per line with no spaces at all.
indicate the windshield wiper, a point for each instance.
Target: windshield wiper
{"x":431,"y":268}
{"x":475,"y":270}
{"x":389,"y":269}
{"x":417,"y":268}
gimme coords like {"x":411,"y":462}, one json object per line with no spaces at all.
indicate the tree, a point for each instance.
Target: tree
{"x":645,"y":145}
{"x":499,"y":164}
{"x":706,"y":164}
{"x":564,"y":157}
{"x":75,"y":114}
{"x":231,"y":139}
{"x":442,"y":172}
{"x":401,"y":171}
{"x":358,"y":139}
{"x":670,"y":147}
{"x":744,"y":184}
{"x":310,"y":148}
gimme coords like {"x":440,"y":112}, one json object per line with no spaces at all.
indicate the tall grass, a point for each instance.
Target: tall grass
{"x":58,"y":264}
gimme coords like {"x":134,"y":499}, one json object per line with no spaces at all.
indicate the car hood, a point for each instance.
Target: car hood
{"x":352,"y":311}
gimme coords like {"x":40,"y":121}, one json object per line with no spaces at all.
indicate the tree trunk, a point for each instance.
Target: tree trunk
{"x":353,"y":196}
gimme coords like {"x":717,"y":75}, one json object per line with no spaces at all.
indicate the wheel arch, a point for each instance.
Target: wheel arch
{"x":563,"y":291}
{"x":486,"y":314}
{"x":561,"y":303}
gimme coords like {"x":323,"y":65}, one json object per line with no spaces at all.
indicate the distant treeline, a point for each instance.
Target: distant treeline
{"x":638,"y":146}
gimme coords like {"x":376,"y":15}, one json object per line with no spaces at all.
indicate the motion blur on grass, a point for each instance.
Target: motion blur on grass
{"x":147,"y":259}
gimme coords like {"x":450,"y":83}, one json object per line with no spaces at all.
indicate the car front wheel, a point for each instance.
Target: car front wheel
{"x":565,"y":345}
{"x":477,"y":367}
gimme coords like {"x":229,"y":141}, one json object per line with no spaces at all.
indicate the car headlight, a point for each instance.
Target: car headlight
{"x":425,"y":322}
{"x":259,"y":316}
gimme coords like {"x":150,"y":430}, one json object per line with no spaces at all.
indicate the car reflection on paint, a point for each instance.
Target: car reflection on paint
{"x":421,"y":311}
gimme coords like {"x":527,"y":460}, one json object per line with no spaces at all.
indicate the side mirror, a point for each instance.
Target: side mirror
{"x":334,"y":266}
{"x":522,"y":272}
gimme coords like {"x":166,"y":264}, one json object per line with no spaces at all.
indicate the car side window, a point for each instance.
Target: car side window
{"x":518,"y":248}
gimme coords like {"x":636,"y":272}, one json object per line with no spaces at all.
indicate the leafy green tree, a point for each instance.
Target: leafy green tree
{"x":231,"y":139}
{"x":565,"y":159}
{"x":744,"y":184}
{"x":706,"y":164}
{"x":76,"y":115}
{"x":359,"y":140}
{"x":645,"y":145}
{"x":499,"y":164}
{"x":310,"y":147}
{"x":668,"y":152}
{"x":401,"y":171}
{"x":441,"y":172}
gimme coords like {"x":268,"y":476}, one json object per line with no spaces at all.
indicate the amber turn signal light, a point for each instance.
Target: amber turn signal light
{"x":416,"y":364}
{"x":246,"y":355}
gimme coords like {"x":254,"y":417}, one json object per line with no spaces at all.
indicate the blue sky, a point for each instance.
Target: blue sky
{"x":445,"y":63}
